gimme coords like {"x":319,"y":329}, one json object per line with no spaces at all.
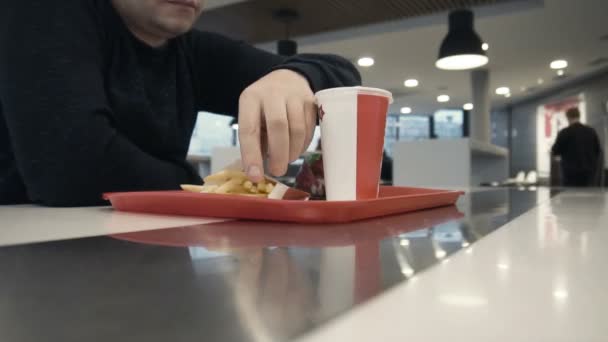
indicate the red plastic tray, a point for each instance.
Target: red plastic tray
{"x":392,"y":200}
{"x":238,"y":234}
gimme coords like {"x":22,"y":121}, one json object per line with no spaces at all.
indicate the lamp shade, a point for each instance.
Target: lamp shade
{"x":461,"y":49}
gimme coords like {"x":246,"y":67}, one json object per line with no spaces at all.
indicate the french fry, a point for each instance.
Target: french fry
{"x":262,"y":186}
{"x":269,"y":188}
{"x":224,"y":176}
{"x":229,"y":186}
{"x":255,"y":195}
{"x":248,"y":185}
{"x":232,"y":182}
{"x":192,"y":188}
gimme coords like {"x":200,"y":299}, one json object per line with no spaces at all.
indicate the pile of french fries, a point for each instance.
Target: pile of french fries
{"x":232,"y":182}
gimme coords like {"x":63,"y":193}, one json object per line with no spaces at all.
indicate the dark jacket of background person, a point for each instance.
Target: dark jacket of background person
{"x":579,"y":148}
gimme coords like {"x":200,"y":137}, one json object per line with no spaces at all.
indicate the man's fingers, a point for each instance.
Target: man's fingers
{"x":275,"y":115}
{"x":310,"y":115}
{"x":249,"y":136}
{"x":297,"y":128}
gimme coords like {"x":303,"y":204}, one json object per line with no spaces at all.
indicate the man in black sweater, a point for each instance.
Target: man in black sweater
{"x":102,"y":95}
{"x":579,"y":148}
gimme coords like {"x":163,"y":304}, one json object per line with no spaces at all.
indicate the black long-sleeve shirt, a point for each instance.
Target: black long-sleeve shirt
{"x":579,"y":147}
{"x":86,"y":108}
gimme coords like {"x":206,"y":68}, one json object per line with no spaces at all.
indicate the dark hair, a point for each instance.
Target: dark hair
{"x":573,"y":113}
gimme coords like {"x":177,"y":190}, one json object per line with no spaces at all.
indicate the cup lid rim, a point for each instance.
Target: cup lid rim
{"x":359,"y":89}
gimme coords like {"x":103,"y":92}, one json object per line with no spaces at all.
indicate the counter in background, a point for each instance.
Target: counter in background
{"x":448,"y":163}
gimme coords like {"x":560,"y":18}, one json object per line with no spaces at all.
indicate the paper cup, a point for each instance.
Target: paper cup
{"x":353,"y":122}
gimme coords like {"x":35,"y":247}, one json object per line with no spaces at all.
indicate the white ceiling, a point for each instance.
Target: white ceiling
{"x":522,"y":43}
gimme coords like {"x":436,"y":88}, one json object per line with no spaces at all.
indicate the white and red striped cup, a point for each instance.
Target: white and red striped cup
{"x":353,"y":121}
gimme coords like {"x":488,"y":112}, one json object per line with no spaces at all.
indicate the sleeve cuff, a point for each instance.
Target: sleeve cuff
{"x":311,"y":72}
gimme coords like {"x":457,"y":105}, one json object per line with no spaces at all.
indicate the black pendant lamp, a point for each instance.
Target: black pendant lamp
{"x":286,"y":47}
{"x":462,"y":48}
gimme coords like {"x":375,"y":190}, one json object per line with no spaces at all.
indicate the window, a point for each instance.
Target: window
{"x":391,"y":133}
{"x":449,"y":123}
{"x":414,"y":127}
{"x":211,"y":130}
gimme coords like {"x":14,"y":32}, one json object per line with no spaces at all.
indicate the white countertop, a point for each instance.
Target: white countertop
{"x":29,"y":223}
{"x":542,"y":277}
{"x":539,"y":278}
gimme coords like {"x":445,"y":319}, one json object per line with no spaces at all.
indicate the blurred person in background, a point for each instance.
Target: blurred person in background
{"x":579,"y":148}
{"x":102,"y":95}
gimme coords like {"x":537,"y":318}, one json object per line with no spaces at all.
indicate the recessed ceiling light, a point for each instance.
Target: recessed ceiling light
{"x":560,"y":294}
{"x":502,"y":90}
{"x":411,"y":83}
{"x":540,"y":81}
{"x":560,"y":72}
{"x":467,"y":106}
{"x":443,"y":98}
{"x":485,"y":46}
{"x":406,"y":110}
{"x":559,"y":64}
{"x":366,"y":62}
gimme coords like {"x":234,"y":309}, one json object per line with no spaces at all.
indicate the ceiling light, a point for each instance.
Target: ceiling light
{"x":468,"y":106}
{"x":503,"y":90}
{"x":404,"y":242}
{"x":559,"y":64}
{"x":508,"y":95}
{"x":440,"y":254}
{"x":503,"y":266}
{"x":560,"y":294}
{"x":366,"y":62}
{"x":463,"y":300}
{"x":540,"y":81}
{"x":462,"y":48}
{"x":461,"y":62}
{"x":407,"y":271}
{"x":406,"y":110}
{"x":411,"y":83}
{"x":560,"y":72}
{"x":443,"y":98}
{"x":485,"y":46}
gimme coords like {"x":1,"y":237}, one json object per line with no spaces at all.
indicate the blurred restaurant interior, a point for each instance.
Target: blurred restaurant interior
{"x":481,"y":90}
{"x":543,"y":58}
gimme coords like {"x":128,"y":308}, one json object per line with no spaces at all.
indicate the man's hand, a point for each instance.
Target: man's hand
{"x":278,"y":114}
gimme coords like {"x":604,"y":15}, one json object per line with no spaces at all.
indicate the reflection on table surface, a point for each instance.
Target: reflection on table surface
{"x":230,"y":281}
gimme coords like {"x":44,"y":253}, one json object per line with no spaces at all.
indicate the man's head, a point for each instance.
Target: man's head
{"x":573,"y":115}
{"x":156,"y":21}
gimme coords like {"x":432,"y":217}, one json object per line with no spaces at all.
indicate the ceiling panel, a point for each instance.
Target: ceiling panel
{"x":253,"y":20}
